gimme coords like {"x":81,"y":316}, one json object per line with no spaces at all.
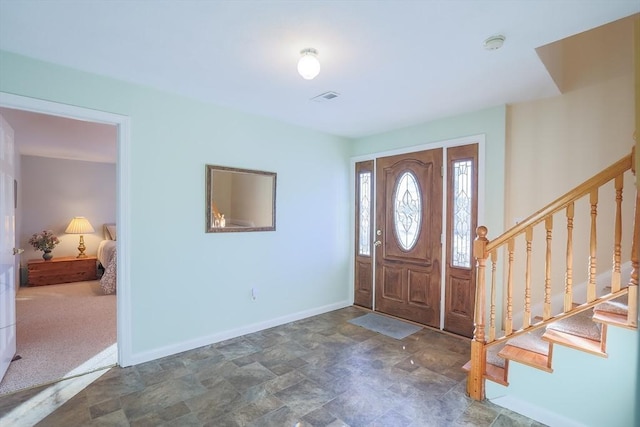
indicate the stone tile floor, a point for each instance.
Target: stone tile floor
{"x":320,"y":371}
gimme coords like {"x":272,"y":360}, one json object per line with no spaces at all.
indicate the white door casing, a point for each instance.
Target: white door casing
{"x":7,"y":243}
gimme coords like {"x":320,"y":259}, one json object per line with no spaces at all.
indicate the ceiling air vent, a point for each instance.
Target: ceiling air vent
{"x":324,"y":97}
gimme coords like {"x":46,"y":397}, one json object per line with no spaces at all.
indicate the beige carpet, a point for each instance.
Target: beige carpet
{"x":62,"y":331}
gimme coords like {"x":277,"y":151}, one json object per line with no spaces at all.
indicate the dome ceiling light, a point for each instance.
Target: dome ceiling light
{"x":494,"y":42}
{"x":308,"y":64}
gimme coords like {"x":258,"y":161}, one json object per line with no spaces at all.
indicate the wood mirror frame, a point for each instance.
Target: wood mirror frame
{"x":239,"y":200}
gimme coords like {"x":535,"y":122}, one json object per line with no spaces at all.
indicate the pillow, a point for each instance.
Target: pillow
{"x":111,"y":231}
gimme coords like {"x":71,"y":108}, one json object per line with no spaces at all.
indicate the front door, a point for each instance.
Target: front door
{"x":7,"y":243}
{"x":409,"y":233}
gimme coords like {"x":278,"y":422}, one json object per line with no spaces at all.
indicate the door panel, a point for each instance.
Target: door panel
{"x":7,"y":243}
{"x":462,"y":213}
{"x":409,"y":224}
{"x":363,"y":283}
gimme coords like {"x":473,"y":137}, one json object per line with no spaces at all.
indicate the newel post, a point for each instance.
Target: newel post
{"x":475,"y":380}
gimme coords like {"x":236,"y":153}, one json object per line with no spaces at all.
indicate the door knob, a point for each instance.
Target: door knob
{"x":377,"y":243}
{"x":17,"y":251}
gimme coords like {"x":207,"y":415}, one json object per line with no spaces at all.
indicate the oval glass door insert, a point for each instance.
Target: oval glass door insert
{"x":407,"y":210}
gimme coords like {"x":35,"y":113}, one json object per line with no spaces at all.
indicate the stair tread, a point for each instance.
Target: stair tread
{"x":575,"y":342}
{"x":526,"y":357}
{"x":494,"y":373}
{"x":618,"y":305}
{"x":492,"y":355}
{"x":580,"y":325}
{"x":531,"y":341}
{"x":619,"y":320}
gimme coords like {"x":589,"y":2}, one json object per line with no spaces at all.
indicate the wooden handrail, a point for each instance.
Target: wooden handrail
{"x":596,"y":181}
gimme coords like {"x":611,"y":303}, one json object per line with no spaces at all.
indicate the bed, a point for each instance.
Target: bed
{"x":107,"y":258}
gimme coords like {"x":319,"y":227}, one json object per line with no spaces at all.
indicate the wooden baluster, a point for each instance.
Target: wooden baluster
{"x":548,"y":224}
{"x":475,"y":379}
{"x":526,"y":320}
{"x":617,"y":246}
{"x":591,"y":284}
{"x":632,"y":313}
{"x":492,"y":313}
{"x":568,"y":280}
{"x":508,"y":323}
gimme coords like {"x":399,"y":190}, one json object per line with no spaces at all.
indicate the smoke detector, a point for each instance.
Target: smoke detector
{"x":494,"y":42}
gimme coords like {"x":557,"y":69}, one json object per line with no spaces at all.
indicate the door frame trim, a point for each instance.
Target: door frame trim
{"x":123,"y":198}
{"x":479,"y":139}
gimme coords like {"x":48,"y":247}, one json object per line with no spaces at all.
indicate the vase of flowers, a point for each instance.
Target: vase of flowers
{"x":44,"y":241}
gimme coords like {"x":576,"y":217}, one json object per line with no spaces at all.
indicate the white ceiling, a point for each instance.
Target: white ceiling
{"x":62,"y":138}
{"x":394,"y":63}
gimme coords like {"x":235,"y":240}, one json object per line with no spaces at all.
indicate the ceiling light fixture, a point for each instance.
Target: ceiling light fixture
{"x":308,"y":65}
{"x":494,"y":42}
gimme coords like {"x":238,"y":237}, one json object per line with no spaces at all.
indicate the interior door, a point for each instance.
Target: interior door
{"x":409,"y":232}
{"x":7,"y":243}
{"x":363,"y":289}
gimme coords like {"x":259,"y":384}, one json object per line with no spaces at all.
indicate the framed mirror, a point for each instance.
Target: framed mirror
{"x":239,"y":200}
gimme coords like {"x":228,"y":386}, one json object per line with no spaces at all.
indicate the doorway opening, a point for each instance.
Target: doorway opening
{"x":121,"y":184}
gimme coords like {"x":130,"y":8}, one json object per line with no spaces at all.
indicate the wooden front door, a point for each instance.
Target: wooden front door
{"x":408,"y":232}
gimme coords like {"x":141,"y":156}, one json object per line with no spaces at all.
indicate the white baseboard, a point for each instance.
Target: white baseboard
{"x":540,"y":414}
{"x":169,"y":350}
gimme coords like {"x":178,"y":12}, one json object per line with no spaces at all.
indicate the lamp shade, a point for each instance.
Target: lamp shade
{"x":79,"y":225}
{"x":308,"y":64}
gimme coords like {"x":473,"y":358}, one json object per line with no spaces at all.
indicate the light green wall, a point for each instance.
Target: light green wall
{"x":490,"y":122}
{"x":187,"y":284}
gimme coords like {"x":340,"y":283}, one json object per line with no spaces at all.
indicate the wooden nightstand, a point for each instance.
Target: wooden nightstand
{"x":61,"y":270}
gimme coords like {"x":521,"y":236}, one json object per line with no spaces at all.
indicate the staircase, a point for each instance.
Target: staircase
{"x":580,"y":326}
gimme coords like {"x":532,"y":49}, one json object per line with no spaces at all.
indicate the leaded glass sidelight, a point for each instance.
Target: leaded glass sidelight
{"x":364,"y":237}
{"x":407,"y":206}
{"x":462,"y":198}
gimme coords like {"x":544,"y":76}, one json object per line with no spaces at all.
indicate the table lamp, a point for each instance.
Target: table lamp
{"x":80,"y":225}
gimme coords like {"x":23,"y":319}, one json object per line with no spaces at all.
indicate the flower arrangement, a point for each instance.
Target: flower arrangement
{"x":44,"y":241}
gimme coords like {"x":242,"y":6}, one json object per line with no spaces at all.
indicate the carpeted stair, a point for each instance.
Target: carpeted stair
{"x":496,"y":367}
{"x":529,"y":349}
{"x":579,"y":332}
{"x":584,"y":331}
{"x":613,"y":312}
